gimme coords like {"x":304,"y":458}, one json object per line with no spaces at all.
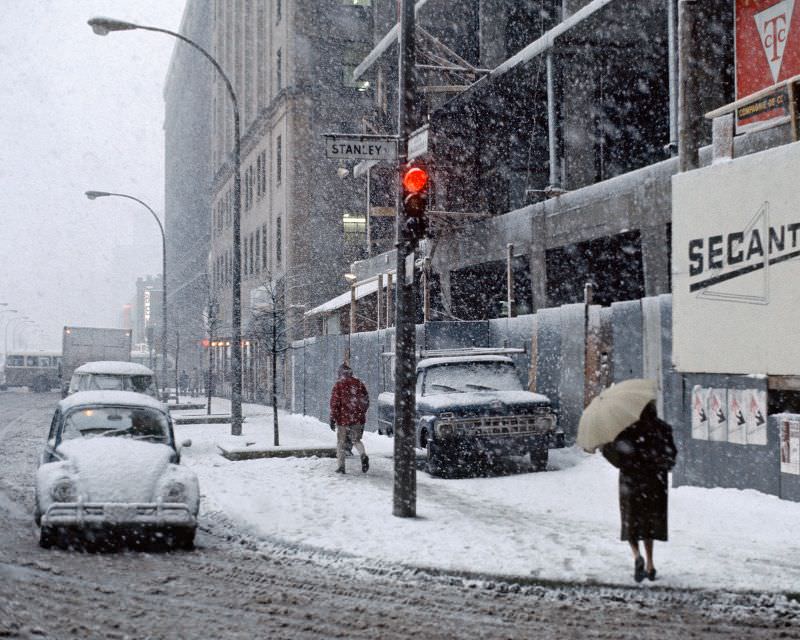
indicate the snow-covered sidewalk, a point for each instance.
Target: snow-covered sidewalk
{"x":559,"y":525}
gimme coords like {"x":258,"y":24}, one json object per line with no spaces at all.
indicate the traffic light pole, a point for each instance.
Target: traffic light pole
{"x":405,"y":474}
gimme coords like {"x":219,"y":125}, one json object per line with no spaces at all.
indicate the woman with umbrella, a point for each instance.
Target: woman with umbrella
{"x":624,"y":422}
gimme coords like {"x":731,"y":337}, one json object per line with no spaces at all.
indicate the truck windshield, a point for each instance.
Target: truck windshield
{"x":463,"y":377}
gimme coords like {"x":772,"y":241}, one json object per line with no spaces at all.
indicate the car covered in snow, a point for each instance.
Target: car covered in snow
{"x":110,"y":467}
{"x":472,"y":412}
{"x":112,"y":375}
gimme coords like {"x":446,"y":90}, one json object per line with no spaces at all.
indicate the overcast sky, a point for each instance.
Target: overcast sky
{"x":79,"y":112}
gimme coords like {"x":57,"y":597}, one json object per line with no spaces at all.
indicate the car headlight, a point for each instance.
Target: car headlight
{"x":64,"y":490}
{"x":543,"y":423}
{"x":173,"y":491}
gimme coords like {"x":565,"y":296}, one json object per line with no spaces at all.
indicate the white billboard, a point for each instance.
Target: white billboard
{"x":735,"y":268}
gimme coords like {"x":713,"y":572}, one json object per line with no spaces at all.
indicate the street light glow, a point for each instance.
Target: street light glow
{"x":104,"y":26}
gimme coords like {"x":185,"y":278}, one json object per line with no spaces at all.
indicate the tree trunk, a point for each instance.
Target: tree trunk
{"x":274,"y":355}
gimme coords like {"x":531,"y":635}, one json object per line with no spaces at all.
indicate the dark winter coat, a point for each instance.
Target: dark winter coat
{"x":349,"y":401}
{"x":643,"y":453}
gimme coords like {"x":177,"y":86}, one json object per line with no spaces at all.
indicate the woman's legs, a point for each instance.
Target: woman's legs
{"x":648,"y":552}
{"x":639,"y":572}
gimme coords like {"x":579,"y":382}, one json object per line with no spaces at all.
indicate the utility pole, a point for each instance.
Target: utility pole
{"x":405,"y":473}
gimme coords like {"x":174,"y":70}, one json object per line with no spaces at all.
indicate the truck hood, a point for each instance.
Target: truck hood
{"x":479,"y":403}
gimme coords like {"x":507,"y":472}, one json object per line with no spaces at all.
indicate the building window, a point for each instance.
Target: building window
{"x":248,"y":188}
{"x":278,"y":241}
{"x":356,"y":3}
{"x":251,"y":259}
{"x":261,"y":174}
{"x":258,"y":251}
{"x":354,"y":226}
{"x":264,"y":247}
{"x":278,"y":160}
{"x":278,"y":74}
{"x":278,"y":11}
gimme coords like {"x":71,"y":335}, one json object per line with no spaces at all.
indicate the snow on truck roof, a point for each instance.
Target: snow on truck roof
{"x":114,"y":367}
{"x":431,"y":362}
{"x":115,"y":398}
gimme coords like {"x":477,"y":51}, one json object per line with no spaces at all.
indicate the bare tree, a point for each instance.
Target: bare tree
{"x":269,"y":326}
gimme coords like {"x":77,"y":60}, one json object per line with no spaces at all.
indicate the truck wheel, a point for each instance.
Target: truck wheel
{"x":47,"y":537}
{"x":539,"y":459}
{"x":185,"y":540}
{"x":435,"y":466}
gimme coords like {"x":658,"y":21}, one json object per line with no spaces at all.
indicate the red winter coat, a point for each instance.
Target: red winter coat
{"x":349,"y":402}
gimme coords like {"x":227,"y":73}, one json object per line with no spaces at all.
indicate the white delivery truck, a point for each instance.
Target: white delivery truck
{"x":89,"y":344}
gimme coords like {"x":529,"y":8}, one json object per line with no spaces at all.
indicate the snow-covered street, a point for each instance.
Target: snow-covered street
{"x":561,"y":525}
{"x":288,"y":549}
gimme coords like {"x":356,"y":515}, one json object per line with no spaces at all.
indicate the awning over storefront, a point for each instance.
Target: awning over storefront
{"x":363,"y":289}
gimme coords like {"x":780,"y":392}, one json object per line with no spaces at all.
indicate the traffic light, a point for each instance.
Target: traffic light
{"x":415,"y":202}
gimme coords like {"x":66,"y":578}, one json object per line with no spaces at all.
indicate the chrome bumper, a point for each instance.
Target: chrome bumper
{"x":91,"y":514}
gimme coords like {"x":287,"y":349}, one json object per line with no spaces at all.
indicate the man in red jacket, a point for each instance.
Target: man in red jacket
{"x":349,"y":404}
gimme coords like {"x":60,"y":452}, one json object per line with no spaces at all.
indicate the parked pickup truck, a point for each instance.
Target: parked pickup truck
{"x":472,"y":412}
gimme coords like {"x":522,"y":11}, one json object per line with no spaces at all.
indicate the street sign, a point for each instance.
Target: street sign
{"x":347,"y":146}
{"x":418,"y":143}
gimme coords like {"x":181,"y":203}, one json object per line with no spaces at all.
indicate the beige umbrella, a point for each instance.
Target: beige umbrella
{"x":615,"y":409}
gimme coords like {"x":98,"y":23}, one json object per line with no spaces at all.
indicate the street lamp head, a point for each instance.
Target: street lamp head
{"x":104,"y":26}
{"x":96,"y":194}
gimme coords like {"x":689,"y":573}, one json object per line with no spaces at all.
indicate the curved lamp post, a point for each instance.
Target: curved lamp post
{"x":92,"y":195}
{"x":104,"y":26}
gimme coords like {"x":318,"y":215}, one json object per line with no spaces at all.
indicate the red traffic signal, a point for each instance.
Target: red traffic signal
{"x":415,"y":180}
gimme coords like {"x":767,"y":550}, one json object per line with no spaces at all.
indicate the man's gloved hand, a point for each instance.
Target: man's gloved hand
{"x":333,"y":426}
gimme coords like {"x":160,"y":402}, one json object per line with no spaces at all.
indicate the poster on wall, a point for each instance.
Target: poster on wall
{"x":718,"y":415}
{"x":699,"y":412}
{"x":755,"y":413}
{"x":737,"y":423}
{"x":767,"y":51}
{"x":790,"y":446}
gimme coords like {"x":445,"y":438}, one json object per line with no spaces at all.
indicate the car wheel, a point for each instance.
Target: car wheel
{"x":539,"y":459}
{"x":47,"y":537}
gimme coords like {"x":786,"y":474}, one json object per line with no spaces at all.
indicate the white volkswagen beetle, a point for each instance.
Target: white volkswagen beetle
{"x":111,"y":465}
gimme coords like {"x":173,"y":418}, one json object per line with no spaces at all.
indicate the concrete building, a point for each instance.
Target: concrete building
{"x":555,"y":123}
{"x":187,"y":137}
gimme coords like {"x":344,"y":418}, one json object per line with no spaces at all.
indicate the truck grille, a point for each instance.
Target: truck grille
{"x":499,"y":425}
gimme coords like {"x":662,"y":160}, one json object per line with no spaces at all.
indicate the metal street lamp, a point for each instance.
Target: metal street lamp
{"x":102,"y":27}
{"x":92,"y":195}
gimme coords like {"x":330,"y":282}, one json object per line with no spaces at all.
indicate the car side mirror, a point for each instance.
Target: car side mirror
{"x":186,"y":443}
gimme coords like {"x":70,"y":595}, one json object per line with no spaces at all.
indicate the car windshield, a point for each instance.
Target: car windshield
{"x":463,"y":377}
{"x":139,"y":423}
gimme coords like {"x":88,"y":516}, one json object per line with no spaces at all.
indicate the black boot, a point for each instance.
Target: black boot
{"x":638,"y":569}
{"x":364,"y":463}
